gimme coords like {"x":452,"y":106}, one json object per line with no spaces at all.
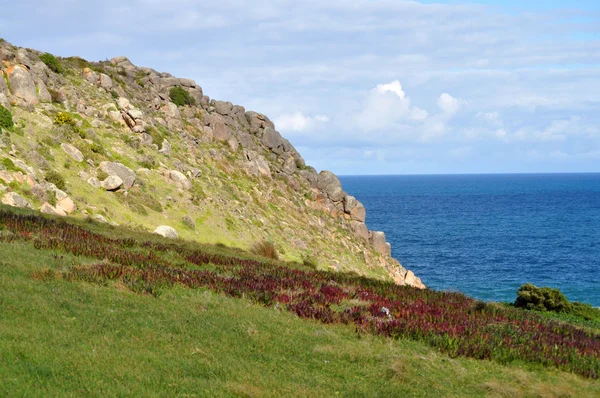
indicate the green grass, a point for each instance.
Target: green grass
{"x":63,"y":338}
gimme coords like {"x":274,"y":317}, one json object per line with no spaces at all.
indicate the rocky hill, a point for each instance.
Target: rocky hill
{"x":128,"y":145}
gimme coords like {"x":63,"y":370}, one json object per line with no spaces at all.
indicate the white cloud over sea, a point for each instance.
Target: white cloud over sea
{"x":387,"y":86}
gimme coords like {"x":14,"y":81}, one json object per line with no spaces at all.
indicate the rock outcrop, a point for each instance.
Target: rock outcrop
{"x":210,"y":157}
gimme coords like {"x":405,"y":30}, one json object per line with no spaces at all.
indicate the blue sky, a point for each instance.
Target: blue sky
{"x":364,"y":86}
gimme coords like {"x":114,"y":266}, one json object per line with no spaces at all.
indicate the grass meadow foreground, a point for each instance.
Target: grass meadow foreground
{"x":90,"y":310}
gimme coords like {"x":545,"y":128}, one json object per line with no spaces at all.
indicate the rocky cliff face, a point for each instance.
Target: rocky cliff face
{"x":107,"y":141}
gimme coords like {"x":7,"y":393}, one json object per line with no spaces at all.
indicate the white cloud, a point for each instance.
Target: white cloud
{"x":298,"y":122}
{"x":386,"y":106}
{"x":448,"y":104}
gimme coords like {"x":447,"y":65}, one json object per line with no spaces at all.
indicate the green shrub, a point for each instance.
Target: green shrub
{"x":309,"y":261}
{"x":52,"y":63}
{"x":56,"y":179}
{"x":10,"y":166}
{"x":6,"y":120}
{"x":65,"y":119}
{"x":114,"y":94}
{"x":266,"y":249}
{"x":541,"y":299}
{"x":157,"y":136}
{"x":181,"y":97}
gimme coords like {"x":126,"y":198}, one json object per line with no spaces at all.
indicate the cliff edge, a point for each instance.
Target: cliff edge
{"x":129,"y":145}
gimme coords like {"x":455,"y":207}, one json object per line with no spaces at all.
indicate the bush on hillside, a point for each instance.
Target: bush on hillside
{"x":541,"y":299}
{"x":52,"y":63}
{"x":265,"y":249}
{"x":181,"y":97}
{"x":6,"y":120}
{"x":56,"y":179}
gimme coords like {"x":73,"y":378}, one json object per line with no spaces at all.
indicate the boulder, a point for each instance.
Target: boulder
{"x":118,"y":169}
{"x":93,"y":181}
{"x":47,"y":208}
{"x":43,"y":93}
{"x":105,"y":82}
{"x":73,"y":152}
{"x":223,"y":108}
{"x":112,"y":183}
{"x":166,"y":231}
{"x":6,"y":176}
{"x":258,"y":122}
{"x":22,"y":85}
{"x":180,"y":179}
{"x":359,"y":212}
{"x":166,"y":148}
{"x":66,"y":204}
{"x":4,"y":99}
{"x":377,"y":240}
{"x":3,"y":86}
{"x":90,"y":75}
{"x":15,"y":200}
{"x":273,"y":140}
{"x":330,"y":185}
{"x":411,"y":280}
{"x":360,"y":230}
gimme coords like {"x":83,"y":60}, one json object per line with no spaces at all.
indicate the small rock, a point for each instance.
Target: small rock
{"x":180,"y":179}
{"x":166,"y":231}
{"x":99,"y":218}
{"x":112,"y":183}
{"x":15,"y":200}
{"x":67,"y":205}
{"x":47,"y":208}
{"x":93,"y":181}
{"x":73,"y":152}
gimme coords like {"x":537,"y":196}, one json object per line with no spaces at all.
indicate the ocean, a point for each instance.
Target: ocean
{"x":486,"y":235}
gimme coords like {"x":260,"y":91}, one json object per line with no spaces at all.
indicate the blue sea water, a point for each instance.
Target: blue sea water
{"x":486,"y":235}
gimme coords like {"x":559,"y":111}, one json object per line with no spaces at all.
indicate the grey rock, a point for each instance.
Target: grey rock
{"x":359,"y":212}
{"x":105,"y":81}
{"x":118,"y":169}
{"x":360,"y":230}
{"x":73,"y":152}
{"x":43,"y":93}
{"x":180,"y":179}
{"x":93,"y":181}
{"x":330,"y":185}
{"x":4,"y":99}
{"x":15,"y":200}
{"x":3,"y":86}
{"x":377,"y":240}
{"x":272,"y":139}
{"x":99,"y":218}
{"x":112,"y":183}
{"x":47,"y":208}
{"x":166,"y":148}
{"x":166,"y":231}
{"x":223,"y":108}
{"x":23,"y":86}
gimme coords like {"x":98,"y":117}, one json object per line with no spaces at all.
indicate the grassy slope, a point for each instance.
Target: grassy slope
{"x":74,"y":338}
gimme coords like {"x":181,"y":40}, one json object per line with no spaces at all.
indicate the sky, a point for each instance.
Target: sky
{"x":366,"y":86}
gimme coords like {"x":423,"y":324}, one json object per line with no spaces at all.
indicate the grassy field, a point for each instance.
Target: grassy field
{"x":62,"y":337}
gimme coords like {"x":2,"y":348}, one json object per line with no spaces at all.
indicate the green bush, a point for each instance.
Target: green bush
{"x":6,"y":120}
{"x":541,"y":299}
{"x":181,"y":97}
{"x":52,"y":63}
{"x":8,"y":164}
{"x":56,"y":179}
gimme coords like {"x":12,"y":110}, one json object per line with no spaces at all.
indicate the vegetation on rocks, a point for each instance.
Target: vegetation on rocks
{"x":52,"y":63}
{"x":55,"y":178}
{"x":6,"y":120}
{"x":181,"y":97}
